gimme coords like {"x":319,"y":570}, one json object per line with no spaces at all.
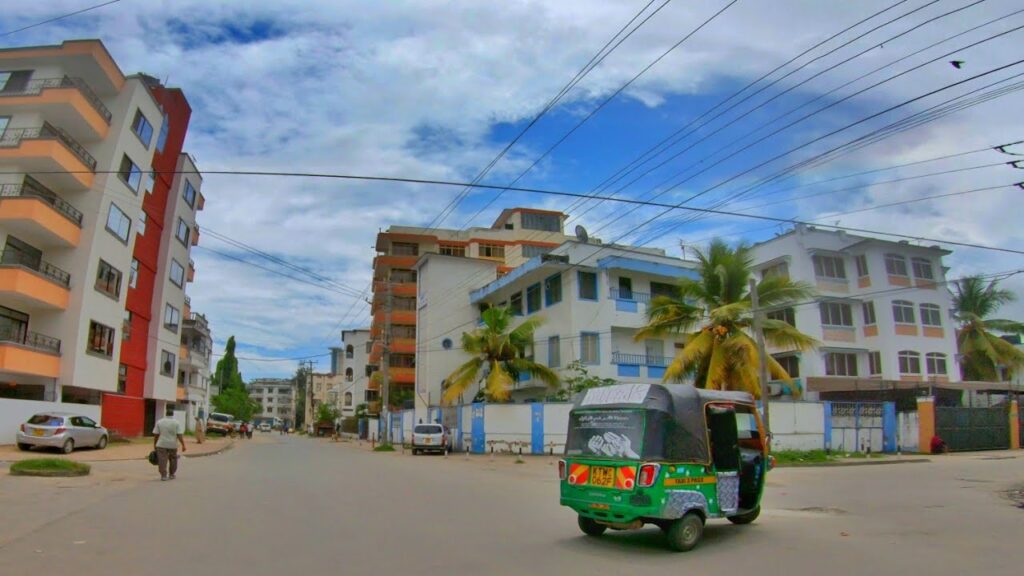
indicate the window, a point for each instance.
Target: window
{"x":350,"y":351}
{"x":787,"y":315}
{"x":780,"y":270}
{"x":840,"y":364}
{"x":142,"y":223}
{"x":533,"y":299}
{"x":554,"y":352}
{"x":172,"y":318}
{"x":910,"y":362}
{"x":895,"y":265}
{"x":936,"y":364}
{"x":190,"y":194}
{"x":587,"y":285}
{"x":15,"y":81}
{"x":543,"y":222}
{"x":348,"y":398}
{"x":126,"y":326}
{"x":515,"y":303}
{"x":348,"y":374}
{"x":147,"y":181}
{"x":108,"y":280}
{"x":869,"y":313}
{"x":829,"y":267}
{"x":122,"y":378}
{"x":553,"y":290}
{"x":835,"y":314}
{"x":130,"y":173}
{"x":790,"y":363}
{"x":625,"y":288}
{"x":403,"y":331}
{"x":530,"y":251}
{"x":922,"y":268}
{"x":369,"y":346}
{"x":133,"y":274}
{"x":453,"y":250}
{"x":167,"y":362}
{"x":13,"y":324}
{"x":931,"y":315}
{"x":182,"y":232}
{"x":405,"y":249}
{"x":662,"y":289}
{"x":161,"y":140}
{"x":492,"y":251}
{"x":118,"y":223}
{"x":862,"y":265}
{"x":142,"y":128}
{"x":177,"y":274}
{"x":874,"y":363}
{"x":101,"y":339}
{"x":590,"y":348}
{"x":369,"y":369}
{"x":903,"y":312}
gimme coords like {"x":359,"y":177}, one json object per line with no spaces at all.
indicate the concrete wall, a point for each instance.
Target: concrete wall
{"x":797,"y":425}
{"x":908,"y":432}
{"x":14,"y":413}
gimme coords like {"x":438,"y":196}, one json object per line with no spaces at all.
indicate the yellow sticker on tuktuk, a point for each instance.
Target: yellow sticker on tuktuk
{"x":690,"y":480}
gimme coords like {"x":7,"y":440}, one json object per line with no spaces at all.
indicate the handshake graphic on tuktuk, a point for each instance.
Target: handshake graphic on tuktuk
{"x":612,"y":444}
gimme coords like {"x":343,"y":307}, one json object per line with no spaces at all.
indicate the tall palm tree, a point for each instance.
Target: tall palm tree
{"x":501,"y":351}
{"x":714,"y":315}
{"x":982,"y":352}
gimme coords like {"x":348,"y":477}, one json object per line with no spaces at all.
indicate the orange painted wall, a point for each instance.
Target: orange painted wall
{"x":24,"y":361}
{"x":925,"y":423}
{"x":40,"y":212}
{"x":36,"y":287}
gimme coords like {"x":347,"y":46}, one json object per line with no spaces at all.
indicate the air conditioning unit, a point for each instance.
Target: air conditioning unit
{"x":774,"y":389}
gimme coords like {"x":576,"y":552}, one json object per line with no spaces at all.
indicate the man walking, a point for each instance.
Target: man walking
{"x":167,"y":435}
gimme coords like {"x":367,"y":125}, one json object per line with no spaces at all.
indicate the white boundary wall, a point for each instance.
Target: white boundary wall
{"x":797,"y":425}
{"x":14,"y":413}
{"x":908,"y":426}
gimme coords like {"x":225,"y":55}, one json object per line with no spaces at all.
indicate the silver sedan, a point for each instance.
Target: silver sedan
{"x":61,"y":430}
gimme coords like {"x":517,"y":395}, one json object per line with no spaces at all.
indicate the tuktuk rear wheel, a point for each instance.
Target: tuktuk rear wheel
{"x":591,"y":527}
{"x":746,"y":517}
{"x":685,"y":533}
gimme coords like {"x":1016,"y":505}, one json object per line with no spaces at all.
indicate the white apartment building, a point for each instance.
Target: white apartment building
{"x":194,"y":368}
{"x":353,"y":364}
{"x":276,"y":397}
{"x":882,"y":314}
{"x":593,"y":298}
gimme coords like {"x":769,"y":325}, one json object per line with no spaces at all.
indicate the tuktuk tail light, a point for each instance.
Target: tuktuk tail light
{"x":561,"y":469}
{"x":648,"y":475}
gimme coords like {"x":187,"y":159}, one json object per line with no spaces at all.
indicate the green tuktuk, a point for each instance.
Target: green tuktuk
{"x":669,"y":455}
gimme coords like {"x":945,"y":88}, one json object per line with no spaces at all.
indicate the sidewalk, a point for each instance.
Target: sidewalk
{"x":133,"y":449}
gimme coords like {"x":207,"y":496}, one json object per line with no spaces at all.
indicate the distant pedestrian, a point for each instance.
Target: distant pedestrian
{"x":243,"y":430}
{"x":200,"y":433}
{"x":167,"y":435}
{"x":938,"y":445}
{"x":249,"y":430}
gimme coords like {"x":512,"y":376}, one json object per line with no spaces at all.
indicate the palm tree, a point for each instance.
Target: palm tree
{"x":502,"y":352}
{"x":714,"y":315}
{"x":982,"y":352}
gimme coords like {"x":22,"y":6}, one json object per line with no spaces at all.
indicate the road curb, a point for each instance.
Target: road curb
{"x":854,"y":463}
{"x":227,"y":447}
{"x":186,"y":455}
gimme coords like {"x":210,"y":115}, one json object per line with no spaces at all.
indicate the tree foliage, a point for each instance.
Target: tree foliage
{"x":713,"y":313}
{"x":236,"y":401}
{"x":301,"y":379}
{"x":326,"y":412}
{"x":982,"y":352}
{"x":579,"y":380}
{"x":226,"y":375}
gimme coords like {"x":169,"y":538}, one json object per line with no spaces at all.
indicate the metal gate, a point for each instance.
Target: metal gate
{"x":973,"y":428}
{"x":857,"y":427}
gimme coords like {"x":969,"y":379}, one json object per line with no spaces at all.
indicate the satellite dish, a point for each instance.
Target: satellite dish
{"x":581,"y":234}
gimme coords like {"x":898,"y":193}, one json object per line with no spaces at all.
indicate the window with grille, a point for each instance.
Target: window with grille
{"x":874,"y":363}
{"x":903,"y":312}
{"x":101,"y":339}
{"x":895,"y":265}
{"x":910,"y":362}
{"x":836,"y":314}
{"x":590,"y":351}
{"x":936,"y":363}
{"x":840,"y":364}
{"x":830,"y":267}
{"x":790,"y":363}
{"x":492,"y":251}
{"x":108,"y":280}
{"x":931,"y":315}
{"x":922,"y":268}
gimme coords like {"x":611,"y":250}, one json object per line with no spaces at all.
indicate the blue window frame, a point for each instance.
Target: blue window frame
{"x":590,"y":348}
{"x":553,"y":289}
{"x":587,"y":285}
{"x":161,"y":140}
{"x":533,"y":298}
{"x":515,"y":302}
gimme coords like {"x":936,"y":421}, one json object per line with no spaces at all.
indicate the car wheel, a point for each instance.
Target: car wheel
{"x":68,"y":447}
{"x":24,"y":447}
{"x":685,"y":533}
{"x":591,"y":527}
{"x":746,"y":517}
{"x":102,"y":443}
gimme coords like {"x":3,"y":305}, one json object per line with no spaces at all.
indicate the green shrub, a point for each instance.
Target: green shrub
{"x":49,"y":467}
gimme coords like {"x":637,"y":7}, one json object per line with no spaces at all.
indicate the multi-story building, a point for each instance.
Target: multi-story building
{"x":90,"y":299}
{"x":322,"y":388}
{"x":516,"y":236}
{"x":592,"y":300}
{"x":276,"y":397}
{"x":882,"y":314}
{"x":353,"y":363}
{"x":194,"y":368}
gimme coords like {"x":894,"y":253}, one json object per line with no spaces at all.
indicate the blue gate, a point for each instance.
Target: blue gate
{"x":860,"y":426}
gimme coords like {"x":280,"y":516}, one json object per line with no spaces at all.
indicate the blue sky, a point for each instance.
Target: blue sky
{"x":436,"y":89}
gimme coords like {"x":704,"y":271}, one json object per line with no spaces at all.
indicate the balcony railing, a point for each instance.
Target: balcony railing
{"x":18,"y":335}
{"x":32,"y":189}
{"x":12,"y":137}
{"x":34,"y":87}
{"x":638,"y":359}
{"x":20,"y":259}
{"x":631,"y":295}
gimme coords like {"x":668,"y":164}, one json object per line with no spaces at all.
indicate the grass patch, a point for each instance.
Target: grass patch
{"x":384,"y":448}
{"x":49,"y":467}
{"x":801,"y":457}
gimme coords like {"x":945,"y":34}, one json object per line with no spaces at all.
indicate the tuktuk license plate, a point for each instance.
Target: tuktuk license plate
{"x":603,"y":476}
{"x":38,"y":432}
{"x":426,"y":440}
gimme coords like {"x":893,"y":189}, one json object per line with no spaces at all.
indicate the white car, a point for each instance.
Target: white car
{"x":265,"y":427}
{"x":63,"y":431}
{"x":430,"y":438}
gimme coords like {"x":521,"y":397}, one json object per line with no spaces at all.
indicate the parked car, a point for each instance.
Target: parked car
{"x":63,"y":431}
{"x":265,"y":427}
{"x":219,"y":423}
{"x":430,"y":438}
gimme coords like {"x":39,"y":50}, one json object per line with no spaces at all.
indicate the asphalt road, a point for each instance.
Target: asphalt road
{"x":295,"y":506}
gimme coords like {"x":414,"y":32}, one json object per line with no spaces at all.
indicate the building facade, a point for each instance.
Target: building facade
{"x":353,"y":364}
{"x":87,"y":169}
{"x":322,"y":389}
{"x":517,"y":235}
{"x":882,"y":314}
{"x":194,"y":368}
{"x":276,"y":397}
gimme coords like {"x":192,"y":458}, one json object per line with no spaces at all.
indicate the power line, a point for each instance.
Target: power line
{"x":277,"y":272}
{"x":82,"y":11}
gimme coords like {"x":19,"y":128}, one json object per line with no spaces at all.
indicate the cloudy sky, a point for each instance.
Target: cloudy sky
{"x":436,"y":89}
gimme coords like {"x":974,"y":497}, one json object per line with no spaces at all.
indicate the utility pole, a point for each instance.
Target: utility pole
{"x":385,"y":362}
{"x":762,"y":357}
{"x":308,"y":365}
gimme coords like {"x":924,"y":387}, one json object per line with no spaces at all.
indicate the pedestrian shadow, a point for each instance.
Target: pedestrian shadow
{"x":651,"y":539}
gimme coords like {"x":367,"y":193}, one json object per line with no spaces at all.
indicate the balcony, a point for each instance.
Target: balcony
{"x":38,"y":215}
{"x":24,"y":352}
{"x":390,"y":261}
{"x":403,"y":345}
{"x":195,"y":236}
{"x":191,"y":271}
{"x":403,"y":375}
{"x":69,"y":102}
{"x":56,"y":159}
{"x":188,"y":307}
{"x":407,"y":317}
{"x":628,"y":365}
{"x":31,"y":283}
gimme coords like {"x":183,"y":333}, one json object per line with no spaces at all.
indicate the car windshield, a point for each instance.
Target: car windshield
{"x":220,"y":417}
{"x":46,"y":420}
{"x":427,"y":429}
{"x":606,"y":433}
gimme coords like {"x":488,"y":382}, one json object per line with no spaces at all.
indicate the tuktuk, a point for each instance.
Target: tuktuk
{"x":669,"y":455}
